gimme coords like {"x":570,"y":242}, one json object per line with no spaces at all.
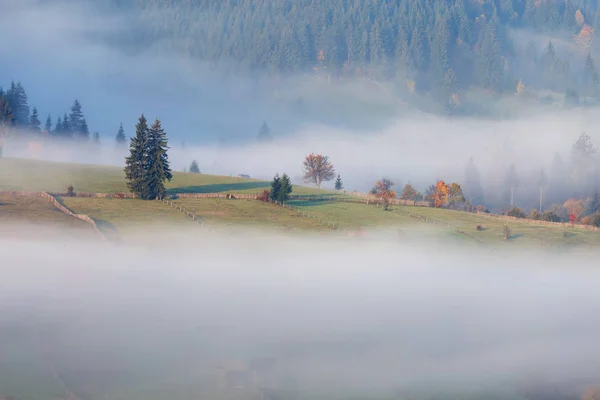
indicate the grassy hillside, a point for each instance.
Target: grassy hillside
{"x":122,"y":217}
{"x":523,"y":232}
{"x":23,"y":174}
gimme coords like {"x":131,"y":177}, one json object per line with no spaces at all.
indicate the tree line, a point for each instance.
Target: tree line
{"x":17,"y":117}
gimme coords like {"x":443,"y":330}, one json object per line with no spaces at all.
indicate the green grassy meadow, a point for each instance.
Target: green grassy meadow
{"x":123,"y":217}
{"x":49,"y":176}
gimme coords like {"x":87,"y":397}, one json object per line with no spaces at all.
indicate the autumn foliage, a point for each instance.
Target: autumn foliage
{"x":383,"y":191}
{"x":409,"y":193}
{"x":264,"y":196}
{"x":574,"y":207}
{"x":440,"y":195}
{"x":317,"y":169}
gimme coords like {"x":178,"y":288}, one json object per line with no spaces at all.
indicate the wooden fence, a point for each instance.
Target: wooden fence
{"x":95,"y":195}
{"x":244,"y":196}
{"x":65,"y":210}
{"x":187,"y":212}
{"x":360,"y":198}
{"x":56,"y":204}
{"x":539,"y":222}
{"x":299,"y":212}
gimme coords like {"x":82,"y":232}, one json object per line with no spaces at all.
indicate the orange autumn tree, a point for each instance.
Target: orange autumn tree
{"x":383,"y":191}
{"x":317,"y":169}
{"x":440,"y":195}
{"x":574,"y":207}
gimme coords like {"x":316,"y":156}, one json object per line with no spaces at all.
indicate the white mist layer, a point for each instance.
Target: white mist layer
{"x":370,"y":315}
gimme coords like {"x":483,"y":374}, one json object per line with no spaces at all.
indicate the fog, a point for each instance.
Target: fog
{"x":70,"y":58}
{"x":416,"y":150}
{"x":342,"y":318}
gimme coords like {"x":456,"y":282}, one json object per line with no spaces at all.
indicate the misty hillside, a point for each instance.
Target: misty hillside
{"x":441,"y":48}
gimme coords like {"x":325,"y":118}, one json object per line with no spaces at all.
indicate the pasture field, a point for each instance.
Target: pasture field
{"x":48,"y":176}
{"x":117,"y":218}
{"x":124,"y":216}
{"x":523,"y":232}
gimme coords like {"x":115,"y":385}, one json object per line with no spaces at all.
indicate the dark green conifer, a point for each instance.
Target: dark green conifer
{"x":135,"y":162}
{"x":275,"y":188}
{"x":285,"y":188}
{"x":157,"y":168}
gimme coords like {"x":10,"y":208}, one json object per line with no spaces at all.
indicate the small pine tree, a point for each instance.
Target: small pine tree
{"x":275,"y":188}
{"x":66,"y":127}
{"x":285,"y":189}
{"x":194,"y":167}
{"x":264,"y":133}
{"x":34,"y":121}
{"x":48,"y":127}
{"x":58,"y":128}
{"x":157,"y":163}
{"x":96,"y":138}
{"x":120,"y":138}
{"x":339,"y":185}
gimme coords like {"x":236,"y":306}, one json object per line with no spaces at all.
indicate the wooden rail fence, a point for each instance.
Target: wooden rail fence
{"x":299,"y":211}
{"x":60,"y":207}
{"x":539,"y":222}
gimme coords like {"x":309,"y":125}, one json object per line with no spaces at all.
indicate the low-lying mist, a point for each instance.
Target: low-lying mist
{"x":343,"y":318}
{"x":418,"y":150}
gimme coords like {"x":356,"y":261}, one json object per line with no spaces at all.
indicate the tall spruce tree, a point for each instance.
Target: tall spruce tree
{"x":135,"y":162}
{"x":120,"y":138}
{"x":17,"y":100}
{"x":157,"y":168}
{"x":77,"y":121}
{"x":34,"y":121}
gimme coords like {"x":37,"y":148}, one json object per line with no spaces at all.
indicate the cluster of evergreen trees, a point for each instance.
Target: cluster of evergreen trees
{"x":281,"y":188}
{"x":147,"y":166}
{"x":16,"y":113}
{"x":72,"y":125}
{"x":440,"y":46}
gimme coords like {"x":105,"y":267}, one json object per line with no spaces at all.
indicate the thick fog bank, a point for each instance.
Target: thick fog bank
{"x":362,"y":316}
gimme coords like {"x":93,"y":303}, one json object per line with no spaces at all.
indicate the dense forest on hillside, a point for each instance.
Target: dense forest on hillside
{"x":442,"y":48}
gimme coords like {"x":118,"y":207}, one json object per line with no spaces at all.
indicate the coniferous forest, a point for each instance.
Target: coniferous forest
{"x":442,"y":48}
